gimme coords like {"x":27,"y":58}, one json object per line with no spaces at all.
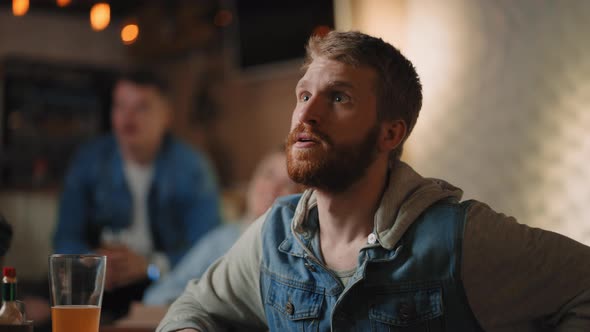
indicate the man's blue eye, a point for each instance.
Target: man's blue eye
{"x":340,"y":98}
{"x":305,"y":98}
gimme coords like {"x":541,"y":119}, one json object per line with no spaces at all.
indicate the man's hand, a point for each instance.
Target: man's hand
{"x":124,"y":266}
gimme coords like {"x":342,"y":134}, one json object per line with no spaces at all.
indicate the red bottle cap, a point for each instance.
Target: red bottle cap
{"x":9,"y":272}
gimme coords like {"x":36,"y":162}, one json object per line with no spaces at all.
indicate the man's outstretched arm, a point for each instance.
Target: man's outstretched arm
{"x":519,"y":278}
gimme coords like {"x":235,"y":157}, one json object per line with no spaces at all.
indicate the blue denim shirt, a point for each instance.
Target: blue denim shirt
{"x":183,"y":201}
{"x":416,"y":286}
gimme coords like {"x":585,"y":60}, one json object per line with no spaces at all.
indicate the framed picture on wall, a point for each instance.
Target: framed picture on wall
{"x":46,"y":111}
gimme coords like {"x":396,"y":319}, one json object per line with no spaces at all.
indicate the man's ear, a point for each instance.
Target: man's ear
{"x":392,"y":135}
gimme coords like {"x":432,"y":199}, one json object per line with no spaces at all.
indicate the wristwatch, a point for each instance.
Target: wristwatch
{"x":153,"y":272}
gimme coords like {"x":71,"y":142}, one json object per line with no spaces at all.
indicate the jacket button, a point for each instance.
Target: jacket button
{"x":310,"y":267}
{"x":290,"y":308}
{"x":372,"y":239}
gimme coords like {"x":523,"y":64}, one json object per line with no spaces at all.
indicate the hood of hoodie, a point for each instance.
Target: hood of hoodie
{"x":406,"y":196}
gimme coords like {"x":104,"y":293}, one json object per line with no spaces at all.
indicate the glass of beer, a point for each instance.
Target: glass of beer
{"x":77,"y":284}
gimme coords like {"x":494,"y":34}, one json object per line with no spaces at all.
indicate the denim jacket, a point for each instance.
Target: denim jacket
{"x":400,"y":289}
{"x":182,"y":201}
{"x":437,"y":264}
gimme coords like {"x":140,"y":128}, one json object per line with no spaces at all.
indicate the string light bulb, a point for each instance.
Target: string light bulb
{"x":100,"y":16}
{"x":63,"y":3}
{"x":20,"y":7}
{"x":129,"y":33}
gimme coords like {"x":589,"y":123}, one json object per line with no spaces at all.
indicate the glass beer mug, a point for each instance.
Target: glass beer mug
{"x":77,"y":285}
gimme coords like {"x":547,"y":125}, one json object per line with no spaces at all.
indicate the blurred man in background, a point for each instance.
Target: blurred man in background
{"x":139,"y":196}
{"x":269,"y":181}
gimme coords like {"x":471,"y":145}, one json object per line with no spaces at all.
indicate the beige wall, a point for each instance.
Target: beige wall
{"x":506,"y":105}
{"x":380,"y":18}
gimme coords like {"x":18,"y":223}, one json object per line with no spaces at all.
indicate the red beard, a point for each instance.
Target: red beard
{"x":327,"y":166}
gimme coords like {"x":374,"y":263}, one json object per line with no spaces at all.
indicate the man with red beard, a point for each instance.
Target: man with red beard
{"x":372,"y":245}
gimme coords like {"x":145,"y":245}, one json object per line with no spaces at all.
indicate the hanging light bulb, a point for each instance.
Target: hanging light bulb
{"x":129,"y":34}
{"x":63,"y":3}
{"x":100,"y":16}
{"x":20,"y":7}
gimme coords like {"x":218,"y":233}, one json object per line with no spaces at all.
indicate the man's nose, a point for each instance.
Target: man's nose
{"x":310,"y":112}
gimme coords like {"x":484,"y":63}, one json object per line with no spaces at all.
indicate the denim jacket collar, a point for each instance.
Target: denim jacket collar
{"x":302,"y":231}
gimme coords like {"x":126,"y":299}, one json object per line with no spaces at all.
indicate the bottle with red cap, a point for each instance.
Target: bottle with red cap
{"x":10,"y":313}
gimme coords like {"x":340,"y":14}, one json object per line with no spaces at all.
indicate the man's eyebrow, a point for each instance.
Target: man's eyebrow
{"x":301,"y":83}
{"x":341,"y":84}
{"x":331,"y":84}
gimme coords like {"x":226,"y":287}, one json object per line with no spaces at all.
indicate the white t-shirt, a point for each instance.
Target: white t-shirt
{"x":138,"y":236}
